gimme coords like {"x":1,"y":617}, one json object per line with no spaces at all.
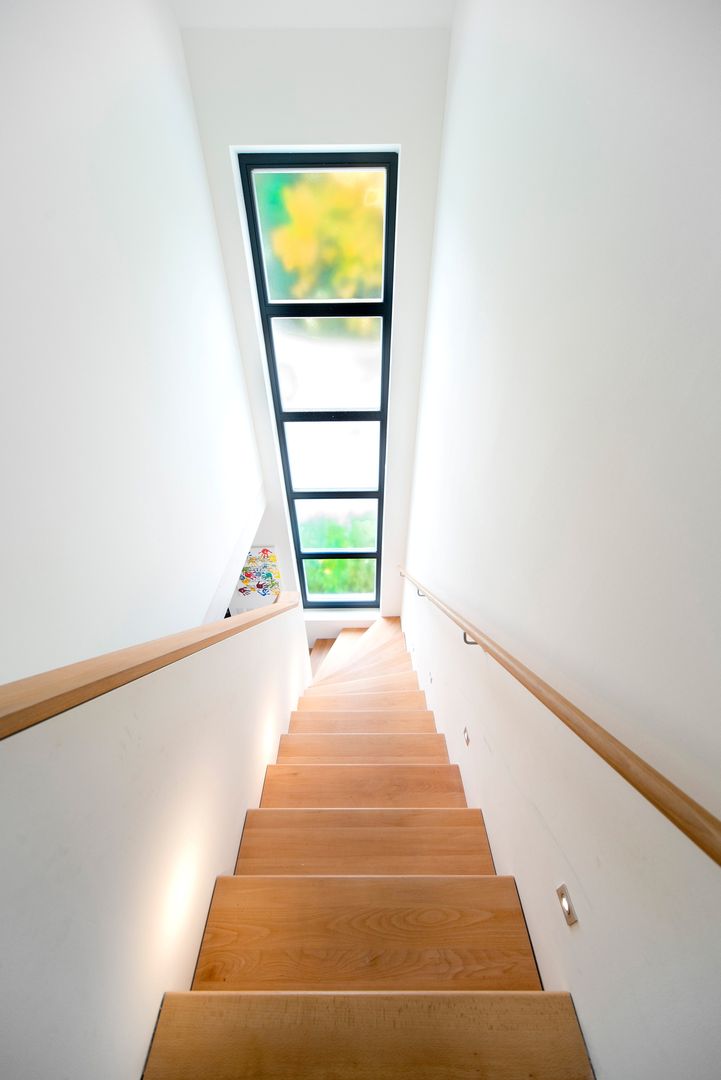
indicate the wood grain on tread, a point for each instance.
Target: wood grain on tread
{"x":356,"y":720}
{"x":460,"y":1036}
{"x":362,"y":786}
{"x":343,"y":748}
{"x":365,"y":933}
{"x":404,"y":680}
{"x":364,"y":842}
{"x":385,"y":699}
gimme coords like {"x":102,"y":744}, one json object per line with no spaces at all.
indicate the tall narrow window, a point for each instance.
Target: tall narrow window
{"x":322,"y":230}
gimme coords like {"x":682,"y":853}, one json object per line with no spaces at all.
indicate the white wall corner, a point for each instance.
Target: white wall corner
{"x":253,"y":513}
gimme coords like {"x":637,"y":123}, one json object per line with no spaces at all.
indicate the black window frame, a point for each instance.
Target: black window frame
{"x":247,"y":162}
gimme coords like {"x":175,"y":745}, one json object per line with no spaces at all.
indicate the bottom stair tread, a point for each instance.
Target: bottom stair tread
{"x":460,"y":1036}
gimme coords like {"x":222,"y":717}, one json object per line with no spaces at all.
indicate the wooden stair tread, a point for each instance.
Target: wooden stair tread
{"x":362,"y":786}
{"x":388,"y":651}
{"x":370,"y":842}
{"x":404,"y":680}
{"x":355,"y":720}
{"x":379,"y":1036}
{"x":318,"y":653}
{"x":379,"y":748}
{"x":391,"y":660}
{"x":340,"y":652}
{"x":365,"y":933}
{"x":382,"y":699}
{"x":366,"y":887}
{"x":375,"y":643}
{"x":383,"y":631}
{"x":393,"y":665}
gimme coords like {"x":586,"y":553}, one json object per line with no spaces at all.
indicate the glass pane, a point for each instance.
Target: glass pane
{"x":340,"y":579}
{"x":331,"y":455}
{"x":321,"y":232}
{"x":326,"y":364}
{"x":325,"y":524}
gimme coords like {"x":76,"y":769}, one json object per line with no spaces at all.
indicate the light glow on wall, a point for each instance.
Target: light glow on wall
{"x":269,"y":737}
{"x":181,"y":890}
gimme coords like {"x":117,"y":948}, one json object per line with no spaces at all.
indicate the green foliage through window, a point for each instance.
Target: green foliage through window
{"x":323,"y":531}
{"x":340,"y":576}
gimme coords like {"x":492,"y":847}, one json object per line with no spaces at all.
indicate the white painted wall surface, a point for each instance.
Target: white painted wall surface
{"x":643,"y":963}
{"x":115,"y":819}
{"x":128,"y":466}
{"x":567,"y":495}
{"x":328,"y":87}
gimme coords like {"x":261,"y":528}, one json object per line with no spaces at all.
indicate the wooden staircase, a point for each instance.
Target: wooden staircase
{"x":365,"y":934}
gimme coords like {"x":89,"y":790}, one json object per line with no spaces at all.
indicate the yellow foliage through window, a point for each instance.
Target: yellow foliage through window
{"x":322,"y":233}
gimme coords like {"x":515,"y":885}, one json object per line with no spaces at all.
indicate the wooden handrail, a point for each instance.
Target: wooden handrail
{"x":29,"y":701}
{"x":697,"y":823}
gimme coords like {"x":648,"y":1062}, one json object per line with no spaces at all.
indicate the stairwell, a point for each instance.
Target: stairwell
{"x":365,"y":933}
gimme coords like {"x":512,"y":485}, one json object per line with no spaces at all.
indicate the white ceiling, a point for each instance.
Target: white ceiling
{"x":313,"y":14}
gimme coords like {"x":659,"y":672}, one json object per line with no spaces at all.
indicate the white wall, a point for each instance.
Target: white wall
{"x":288,"y":88}
{"x":115,"y":819}
{"x":128,"y":467}
{"x":567,"y":495}
{"x":644,"y":961}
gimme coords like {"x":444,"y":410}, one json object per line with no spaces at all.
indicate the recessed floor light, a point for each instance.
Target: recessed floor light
{"x":567,"y":907}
